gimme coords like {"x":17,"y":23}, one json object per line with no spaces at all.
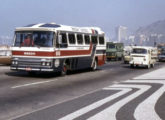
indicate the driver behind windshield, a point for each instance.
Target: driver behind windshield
{"x":28,"y":41}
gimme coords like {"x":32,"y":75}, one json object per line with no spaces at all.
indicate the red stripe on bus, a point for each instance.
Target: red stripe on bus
{"x":33,"y":53}
{"x":53,"y":54}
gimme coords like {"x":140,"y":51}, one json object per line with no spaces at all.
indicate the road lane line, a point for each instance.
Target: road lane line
{"x":96,"y":104}
{"x":146,"y":109}
{"x":35,"y":83}
{"x":156,"y":74}
{"x":110,"y":112}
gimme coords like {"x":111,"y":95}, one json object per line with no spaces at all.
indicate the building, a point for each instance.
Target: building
{"x":121,"y":33}
{"x":131,"y":40}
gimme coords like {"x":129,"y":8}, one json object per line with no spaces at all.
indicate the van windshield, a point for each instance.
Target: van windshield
{"x":110,"y":46}
{"x":34,"y":39}
{"x":139,"y":51}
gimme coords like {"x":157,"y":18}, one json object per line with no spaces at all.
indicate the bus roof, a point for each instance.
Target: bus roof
{"x":57,"y":27}
{"x":143,"y":47}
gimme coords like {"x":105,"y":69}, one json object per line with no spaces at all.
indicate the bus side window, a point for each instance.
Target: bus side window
{"x":79,"y":39}
{"x":63,"y":43}
{"x":87,"y":39}
{"x":71,"y":38}
{"x":101,"y":40}
{"x":94,"y":40}
{"x":64,"y":40}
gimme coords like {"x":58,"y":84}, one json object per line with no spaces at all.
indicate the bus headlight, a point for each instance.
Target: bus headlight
{"x":56,"y":62}
{"x":48,"y":64}
{"x":15,"y":62}
{"x":43,"y":63}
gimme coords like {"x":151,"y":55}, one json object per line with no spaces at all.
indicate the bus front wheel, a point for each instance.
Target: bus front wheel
{"x":64,"y":70}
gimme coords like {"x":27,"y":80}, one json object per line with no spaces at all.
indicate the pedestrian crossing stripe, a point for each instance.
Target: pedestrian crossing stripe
{"x":147,"y":106}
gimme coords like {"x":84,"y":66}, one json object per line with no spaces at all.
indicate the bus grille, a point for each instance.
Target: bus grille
{"x":29,"y":62}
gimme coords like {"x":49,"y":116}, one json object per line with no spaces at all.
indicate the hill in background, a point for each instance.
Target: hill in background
{"x":151,"y":35}
{"x":154,"y":28}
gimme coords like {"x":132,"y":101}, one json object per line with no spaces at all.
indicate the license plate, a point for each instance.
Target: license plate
{"x":137,"y":63}
{"x":28,"y":69}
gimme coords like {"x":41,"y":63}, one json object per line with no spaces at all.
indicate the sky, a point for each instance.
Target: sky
{"x":106,"y":14}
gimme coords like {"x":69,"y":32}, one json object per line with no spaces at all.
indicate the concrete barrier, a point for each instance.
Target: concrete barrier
{"x":5,"y":60}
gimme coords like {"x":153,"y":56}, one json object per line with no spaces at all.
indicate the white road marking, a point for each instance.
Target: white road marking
{"x":35,"y":83}
{"x":110,"y":112}
{"x":96,"y":104}
{"x":156,"y":74}
{"x":146,"y":109}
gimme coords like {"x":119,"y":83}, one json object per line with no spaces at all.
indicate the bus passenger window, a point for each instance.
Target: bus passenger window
{"x":79,"y":39}
{"x":72,"y":39}
{"x":94,"y":39}
{"x":87,"y":39}
{"x":64,"y":40}
{"x":101,"y":40}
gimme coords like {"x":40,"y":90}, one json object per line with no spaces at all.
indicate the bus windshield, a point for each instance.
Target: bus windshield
{"x":34,"y":39}
{"x":139,"y":51}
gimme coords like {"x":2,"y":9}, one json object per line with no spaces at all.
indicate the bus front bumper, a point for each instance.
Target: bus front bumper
{"x":31,"y":69}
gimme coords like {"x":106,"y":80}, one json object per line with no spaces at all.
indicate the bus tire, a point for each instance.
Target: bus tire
{"x":64,"y":70}
{"x":94,"y":66}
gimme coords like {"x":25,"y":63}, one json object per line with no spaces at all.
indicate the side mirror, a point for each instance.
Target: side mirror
{"x":59,"y":41}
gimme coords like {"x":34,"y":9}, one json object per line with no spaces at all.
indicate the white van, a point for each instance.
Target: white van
{"x":142,"y":56}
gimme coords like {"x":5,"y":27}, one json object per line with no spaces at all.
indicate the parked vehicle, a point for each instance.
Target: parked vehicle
{"x":143,"y":56}
{"x":127,"y":53}
{"x":161,"y":52}
{"x":5,"y":55}
{"x":57,"y":48}
{"x":114,"y":51}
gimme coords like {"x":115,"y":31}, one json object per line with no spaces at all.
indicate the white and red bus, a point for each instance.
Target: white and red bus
{"x":49,"y":47}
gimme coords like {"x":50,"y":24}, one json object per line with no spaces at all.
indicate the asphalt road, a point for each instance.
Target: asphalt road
{"x":51,"y":97}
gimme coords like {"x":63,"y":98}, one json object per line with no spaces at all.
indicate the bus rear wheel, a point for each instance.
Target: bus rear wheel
{"x":94,"y":66}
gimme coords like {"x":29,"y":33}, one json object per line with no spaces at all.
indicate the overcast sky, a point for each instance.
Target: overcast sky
{"x":106,"y":14}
